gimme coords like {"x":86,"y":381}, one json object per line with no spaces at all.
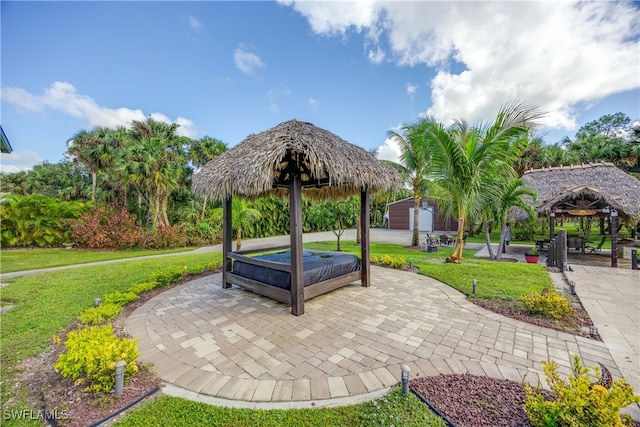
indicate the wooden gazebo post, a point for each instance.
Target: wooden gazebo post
{"x":364,"y":237}
{"x":295,"y":234}
{"x":614,"y":238}
{"x":226,"y":240}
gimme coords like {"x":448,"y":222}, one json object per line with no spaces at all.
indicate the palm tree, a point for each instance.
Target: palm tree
{"x":465,"y":160}
{"x":96,"y":149}
{"x":508,"y":193}
{"x":242,"y":216}
{"x":415,"y":156}
{"x":201,"y":152}
{"x":154,"y":161}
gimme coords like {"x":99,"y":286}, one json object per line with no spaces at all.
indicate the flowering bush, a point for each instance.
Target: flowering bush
{"x":398,"y":262}
{"x":578,"y":401}
{"x":106,"y":226}
{"x":91,"y":357}
{"x":101,"y":314}
{"x":547,"y":303}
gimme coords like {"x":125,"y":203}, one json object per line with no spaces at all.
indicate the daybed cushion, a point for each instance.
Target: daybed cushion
{"x":318,"y":266}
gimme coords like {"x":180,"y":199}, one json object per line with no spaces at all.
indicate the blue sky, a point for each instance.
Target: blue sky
{"x":358,"y":69}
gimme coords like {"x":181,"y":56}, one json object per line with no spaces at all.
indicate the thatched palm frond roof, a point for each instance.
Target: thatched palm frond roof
{"x":602,"y":182}
{"x":264,"y":164}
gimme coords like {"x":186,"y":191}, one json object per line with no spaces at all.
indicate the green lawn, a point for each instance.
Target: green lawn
{"x":33,"y":259}
{"x":393,"y":409}
{"x":47,"y":303}
{"x":495,"y":280}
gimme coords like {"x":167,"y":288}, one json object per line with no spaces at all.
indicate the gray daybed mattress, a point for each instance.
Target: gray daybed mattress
{"x":318,"y":266}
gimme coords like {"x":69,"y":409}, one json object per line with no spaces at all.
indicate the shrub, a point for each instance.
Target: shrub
{"x":578,"y":402}
{"x":201,"y":234}
{"x":169,"y":275}
{"x":196,"y":269}
{"x":119,"y":298}
{"x":398,"y":262}
{"x":36,"y":220}
{"x":91,"y":355}
{"x":164,"y":237}
{"x":140,"y":288}
{"x":101,"y":314}
{"x":106,"y":226}
{"x":547,"y":303}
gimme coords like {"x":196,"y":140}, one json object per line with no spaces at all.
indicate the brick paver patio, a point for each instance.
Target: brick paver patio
{"x":236,"y":345}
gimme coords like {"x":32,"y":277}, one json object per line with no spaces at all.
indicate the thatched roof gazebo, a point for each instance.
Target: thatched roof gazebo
{"x":594,"y":189}
{"x":603,"y":184}
{"x":294,"y":158}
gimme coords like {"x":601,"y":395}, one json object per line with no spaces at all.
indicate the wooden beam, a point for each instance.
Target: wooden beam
{"x":614,"y":239}
{"x":256,"y":250}
{"x":295,"y":231}
{"x":329,"y":285}
{"x":261,"y":262}
{"x":269,"y":291}
{"x":226,"y":240}
{"x":364,"y":238}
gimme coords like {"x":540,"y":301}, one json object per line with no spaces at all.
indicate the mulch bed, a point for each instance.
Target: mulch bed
{"x":474,"y":401}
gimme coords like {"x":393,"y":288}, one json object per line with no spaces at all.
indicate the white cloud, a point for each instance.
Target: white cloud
{"x":552,"y":55}
{"x":246,"y":61}
{"x":411,"y":90}
{"x":195,"y":24}
{"x":389,"y":151}
{"x":63,"y":97}
{"x":314,"y":104}
{"x":19,"y":161}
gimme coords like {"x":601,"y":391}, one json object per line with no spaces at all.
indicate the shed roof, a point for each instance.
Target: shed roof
{"x":264,"y":164}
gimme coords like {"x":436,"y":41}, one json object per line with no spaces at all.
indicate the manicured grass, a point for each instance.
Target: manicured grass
{"x":47,"y":303}
{"x":33,"y":259}
{"x":495,"y":280}
{"x":393,"y":409}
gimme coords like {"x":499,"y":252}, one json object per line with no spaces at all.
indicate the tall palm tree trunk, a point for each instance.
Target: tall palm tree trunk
{"x":487,"y":237}
{"x":204,"y":207}
{"x":456,"y":255}
{"x":94,"y":185}
{"x":415,"y":240}
{"x":238,"y":238}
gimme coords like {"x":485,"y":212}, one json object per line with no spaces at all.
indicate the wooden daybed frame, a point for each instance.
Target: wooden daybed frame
{"x":274,"y":292}
{"x":298,"y":293}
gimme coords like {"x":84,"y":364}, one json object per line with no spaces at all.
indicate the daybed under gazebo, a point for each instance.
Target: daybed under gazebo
{"x":293,"y":157}
{"x":594,"y":189}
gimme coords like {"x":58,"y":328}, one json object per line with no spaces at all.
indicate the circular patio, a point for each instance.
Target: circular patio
{"x":237,"y":348}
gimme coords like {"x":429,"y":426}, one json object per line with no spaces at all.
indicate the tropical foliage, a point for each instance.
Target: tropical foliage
{"x":465,"y":161}
{"x":336,"y":216}
{"x":415,"y":156}
{"x":36,"y":220}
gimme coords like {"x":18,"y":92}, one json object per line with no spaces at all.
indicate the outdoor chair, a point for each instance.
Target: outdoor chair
{"x":593,"y":249}
{"x":445,"y":239}
{"x":432,"y":239}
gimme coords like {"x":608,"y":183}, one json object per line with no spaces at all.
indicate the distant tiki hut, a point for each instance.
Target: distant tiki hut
{"x":293,"y":158}
{"x":586,"y":190}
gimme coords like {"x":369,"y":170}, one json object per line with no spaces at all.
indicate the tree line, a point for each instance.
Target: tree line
{"x":472,"y":170}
